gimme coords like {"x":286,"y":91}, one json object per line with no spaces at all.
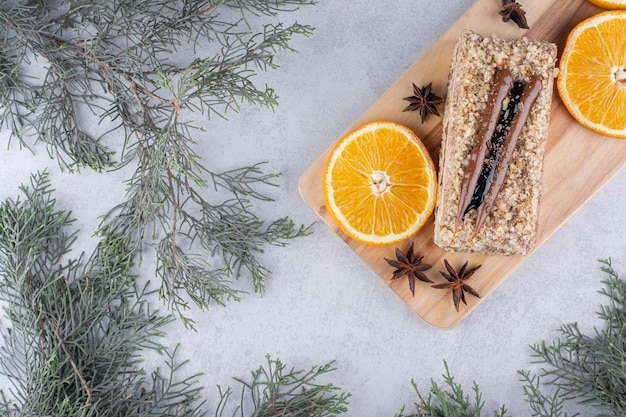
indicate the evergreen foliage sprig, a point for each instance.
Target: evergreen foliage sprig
{"x":589,"y":369}
{"x":128,"y":64}
{"x":275,"y":390}
{"x":77,"y":331}
{"x":541,"y":403}
{"x":576,"y":368}
{"x":449,"y":400}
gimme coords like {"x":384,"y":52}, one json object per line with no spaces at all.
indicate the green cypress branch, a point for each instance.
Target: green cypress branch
{"x":449,"y":400}
{"x":273,"y":390}
{"x":580,"y":368}
{"x":76,"y":332}
{"x":542,"y":404}
{"x":589,"y":369}
{"x":78,"y":327}
{"x":120,"y":61}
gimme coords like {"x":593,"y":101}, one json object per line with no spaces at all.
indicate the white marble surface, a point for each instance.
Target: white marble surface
{"x":321,"y":302}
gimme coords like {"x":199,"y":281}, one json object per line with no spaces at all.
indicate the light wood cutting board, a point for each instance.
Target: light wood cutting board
{"x":578,"y":162}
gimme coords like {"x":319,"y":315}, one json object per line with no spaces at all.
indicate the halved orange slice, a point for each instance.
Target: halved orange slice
{"x":609,"y":4}
{"x":592,"y":73}
{"x":380,"y":183}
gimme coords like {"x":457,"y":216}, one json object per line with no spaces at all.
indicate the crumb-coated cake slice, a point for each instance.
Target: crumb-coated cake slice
{"x":495,"y":127}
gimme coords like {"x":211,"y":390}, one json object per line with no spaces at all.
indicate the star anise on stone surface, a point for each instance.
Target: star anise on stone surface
{"x":423,"y":100}
{"x":511,"y":10}
{"x":456,"y":281}
{"x":409,"y":266}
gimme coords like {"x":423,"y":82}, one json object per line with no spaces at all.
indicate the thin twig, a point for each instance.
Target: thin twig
{"x":76,"y":370}
{"x":173,"y":102}
{"x":176,"y":209}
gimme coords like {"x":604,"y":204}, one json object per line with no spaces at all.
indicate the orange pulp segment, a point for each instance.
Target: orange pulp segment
{"x":592,"y":74}
{"x":380,"y":183}
{"x":609,"y":4}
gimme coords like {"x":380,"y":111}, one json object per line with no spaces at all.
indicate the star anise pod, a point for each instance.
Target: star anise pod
{"x":409,"y":266}
{"x":456,"y":281}
{"x":513,"y":11}
{"x":423,"y":100}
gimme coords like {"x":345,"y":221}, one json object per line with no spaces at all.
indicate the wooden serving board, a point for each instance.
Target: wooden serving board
{"x":578,"y":162}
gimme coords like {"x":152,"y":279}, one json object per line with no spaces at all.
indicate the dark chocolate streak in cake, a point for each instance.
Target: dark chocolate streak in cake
{"x":530,"y":94}
{"x":494,"y":148}
{"x":502,"y":82}
{"x":496,"y":139}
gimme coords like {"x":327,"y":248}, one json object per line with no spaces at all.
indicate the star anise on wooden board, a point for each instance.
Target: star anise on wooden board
{"x":513,"y":11}
{"x":456,"y":281}
{"x":409,"y":266}
{"x":423,"y":100}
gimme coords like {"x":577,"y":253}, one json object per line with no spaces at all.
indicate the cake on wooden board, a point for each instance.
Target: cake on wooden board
{"x":499,"y":215}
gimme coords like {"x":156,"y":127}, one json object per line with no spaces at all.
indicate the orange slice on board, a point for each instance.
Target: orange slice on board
{"x":609,"y":4}
{"x":592,"y":73}
{"x":380,"y":183}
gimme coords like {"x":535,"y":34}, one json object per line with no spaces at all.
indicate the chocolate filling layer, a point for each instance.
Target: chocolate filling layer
{"x":494,"y":148}
{"x":531,"y":91}
{"x":497,"y":138}
{"x":502,"y":83}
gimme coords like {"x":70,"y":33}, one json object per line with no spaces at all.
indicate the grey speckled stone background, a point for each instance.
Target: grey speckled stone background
{"x":322,"y":303}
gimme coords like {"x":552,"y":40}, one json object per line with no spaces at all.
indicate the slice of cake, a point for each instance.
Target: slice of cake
{"x":495,"y":127}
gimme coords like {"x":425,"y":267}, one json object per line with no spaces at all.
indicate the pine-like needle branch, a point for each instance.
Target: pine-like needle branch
{"x":274,"y":390}
{"x":76,"y":329}
{"x":589,"y":369}
{"x":541,"y":403}
{"x":449,"y":400}
{"x":125,"y":62}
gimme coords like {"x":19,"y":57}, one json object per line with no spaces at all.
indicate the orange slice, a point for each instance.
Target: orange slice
{"x":380,"y":183}
{"x":592,"y":73}
{"x":609,"y":4}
